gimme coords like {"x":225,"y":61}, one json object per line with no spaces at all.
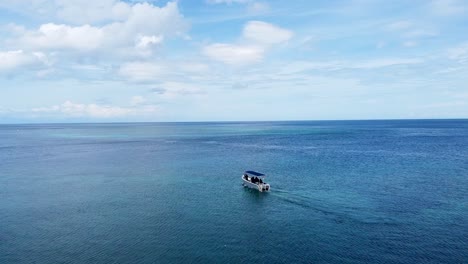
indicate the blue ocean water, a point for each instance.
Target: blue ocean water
{"x":342,"y":192}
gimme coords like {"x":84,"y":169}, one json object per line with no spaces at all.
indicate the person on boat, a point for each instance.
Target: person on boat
{"x":260,"y":180}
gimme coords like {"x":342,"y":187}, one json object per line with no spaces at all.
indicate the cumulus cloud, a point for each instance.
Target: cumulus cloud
{"x":10,"y":60}
{"x":265,"y":34}
{"x":76,"y":12}
{"x":53,"y":36}
{"x":147,"y":41}
{"x":91,"y":11}
{"x":257,"y":38}
{"x":142,"y":26}
{"x":13,"y":29}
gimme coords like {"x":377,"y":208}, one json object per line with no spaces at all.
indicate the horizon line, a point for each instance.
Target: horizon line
{"x":232,"y":121}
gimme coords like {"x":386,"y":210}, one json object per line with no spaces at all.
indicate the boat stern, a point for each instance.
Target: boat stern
{"x":264,"y":187}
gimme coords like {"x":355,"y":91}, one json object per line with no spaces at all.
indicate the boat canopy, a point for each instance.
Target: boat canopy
{"x":254,"y":173}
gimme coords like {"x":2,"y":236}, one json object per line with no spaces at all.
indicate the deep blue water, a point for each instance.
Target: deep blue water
{"x":342,"y":192}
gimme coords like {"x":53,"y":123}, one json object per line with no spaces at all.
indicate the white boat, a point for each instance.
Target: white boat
{"x":255,"y":180}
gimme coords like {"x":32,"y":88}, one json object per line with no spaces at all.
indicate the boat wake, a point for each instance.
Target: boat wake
{"x":335,"y":212}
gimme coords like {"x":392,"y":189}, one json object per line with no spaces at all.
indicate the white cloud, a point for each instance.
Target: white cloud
{"x":147,"y":41}
{"x":399,"y":25}
{"x":234,"y":54}
{"x":10,"y":60}
{"x":193,"y":67}
{"x":143,"y":26}
{"x":71,"y":109}
{"x":161,"y":70}
{"x":30,"y":7}
{"x":257,"y":38}
{"x":303,"y":66}
{"x":459,"y":53}
{"x":137,"y":100}
{"x":91,"y":11}
{"x":409,"y":29}
{"x":142,"y":71}
{"x":265,"y":33}
{"x":71,"y":11}
{"x":383,"y":62}
{"x":253,"y":7}
{"x":147,"y":19}
{"x":53,"y":36}
{"x":448,"y":7}
{"x":77,"y":12}
{"x":14,"y":29}
{"x":173,"y":89}
{"x":227,"y":1}
{"x":410,"y":44}
{"x":258,"y":8}
{"x":445,"y":104}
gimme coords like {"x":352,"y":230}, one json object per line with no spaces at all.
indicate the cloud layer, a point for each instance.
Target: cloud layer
{"x":73,"y":110}
{"x":177,"y":60}
{"x":141,"y":26}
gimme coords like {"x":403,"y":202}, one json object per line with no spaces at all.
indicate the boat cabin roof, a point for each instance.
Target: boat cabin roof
{"x":254,"y":173}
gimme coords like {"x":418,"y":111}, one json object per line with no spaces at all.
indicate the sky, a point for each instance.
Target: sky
{"x":232,"y":60}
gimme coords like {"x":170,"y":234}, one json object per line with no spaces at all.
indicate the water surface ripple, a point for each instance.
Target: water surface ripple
{"x":342,"y":192}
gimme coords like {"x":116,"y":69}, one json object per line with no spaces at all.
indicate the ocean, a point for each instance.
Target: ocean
{"x":390,"y":191}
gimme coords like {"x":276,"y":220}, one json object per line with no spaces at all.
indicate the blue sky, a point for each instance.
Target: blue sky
{"x":213,"y":60}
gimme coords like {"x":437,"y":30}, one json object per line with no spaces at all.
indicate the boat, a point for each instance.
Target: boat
{"x":255,"y":180}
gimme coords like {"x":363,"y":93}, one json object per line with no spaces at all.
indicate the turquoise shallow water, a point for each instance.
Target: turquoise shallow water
{"x":342,"y":192}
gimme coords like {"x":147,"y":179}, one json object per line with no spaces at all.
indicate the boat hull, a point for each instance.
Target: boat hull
{"x":262,"y":187}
